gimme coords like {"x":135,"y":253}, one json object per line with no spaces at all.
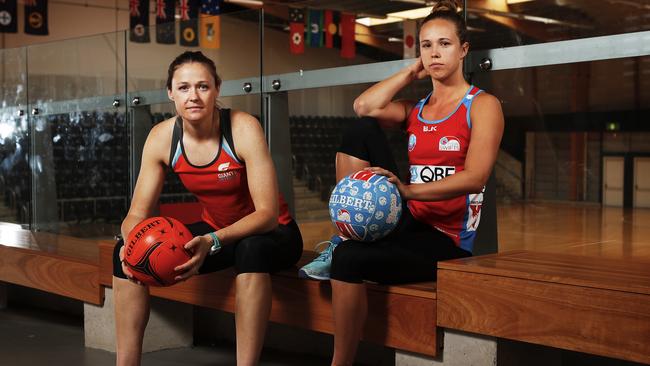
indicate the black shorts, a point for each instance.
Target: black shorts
{"x":409,"y":254}
{"x":264,"y":253}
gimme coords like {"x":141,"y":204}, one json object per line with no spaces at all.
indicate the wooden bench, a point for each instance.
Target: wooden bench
{"x":53,"y":263}
{"x":588,"y":304}
{"x":401,"y":317}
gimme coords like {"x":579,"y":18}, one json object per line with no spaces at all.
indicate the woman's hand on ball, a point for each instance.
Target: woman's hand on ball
{"x":126,"y":270}
{"x":404,"y":190}
{"x":199,"y":246}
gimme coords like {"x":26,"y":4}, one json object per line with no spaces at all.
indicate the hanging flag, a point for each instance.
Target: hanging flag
{"x":296,"y":30}
{"x":189,"y":23}
{"x":36,"y":17}
{"x":331,"y":28}
{"x":315,"y":28}
{"x":210,"y":23}
{"x":410,"y":29}
{"x":8,"y":16}
{"x":139,"y":21}
{"x":348,"y":45}
{"x":165,"y":24}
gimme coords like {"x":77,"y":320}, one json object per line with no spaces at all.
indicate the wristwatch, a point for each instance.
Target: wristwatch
{"x":216,"y":244}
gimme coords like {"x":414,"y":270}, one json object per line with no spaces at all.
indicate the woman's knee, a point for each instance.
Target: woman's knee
{"x":254,"y":254}
{"x":117,"y":262}
{"x":359,"y":130}
{"x":347,"y":263}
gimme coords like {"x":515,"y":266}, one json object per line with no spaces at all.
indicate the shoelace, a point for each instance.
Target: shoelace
{"x":326,"y":253}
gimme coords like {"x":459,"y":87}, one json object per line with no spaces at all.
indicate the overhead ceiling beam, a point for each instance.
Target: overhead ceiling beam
{"x":532,"y":29}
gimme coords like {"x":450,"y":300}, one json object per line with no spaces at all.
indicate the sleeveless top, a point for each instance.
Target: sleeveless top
{"x":221,"y":186}
{"x":437,"y":149}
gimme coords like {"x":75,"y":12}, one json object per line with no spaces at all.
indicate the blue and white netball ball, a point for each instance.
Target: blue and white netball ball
{"x":365,"y":206}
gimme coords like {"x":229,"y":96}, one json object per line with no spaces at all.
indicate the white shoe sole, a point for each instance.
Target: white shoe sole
{"x":303,"y":274}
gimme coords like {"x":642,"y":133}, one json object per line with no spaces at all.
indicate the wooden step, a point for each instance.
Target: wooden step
{"x":312,"y":215}
{"x":310,"y":204}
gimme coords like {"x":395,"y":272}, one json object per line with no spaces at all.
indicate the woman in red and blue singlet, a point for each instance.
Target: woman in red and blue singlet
{"x":453,"y":139}
{"x":220,"y":156}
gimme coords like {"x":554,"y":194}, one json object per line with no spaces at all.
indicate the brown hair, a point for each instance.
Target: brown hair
{"x":187,"y":57}
{"x":448,"y":10}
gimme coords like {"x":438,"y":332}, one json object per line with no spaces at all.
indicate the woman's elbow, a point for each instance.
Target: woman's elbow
{"x":270,"y":221}
{"x":477,"y":185}
{"x":359,"y":107}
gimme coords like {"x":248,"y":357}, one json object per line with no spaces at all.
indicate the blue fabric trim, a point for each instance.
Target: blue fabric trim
{"x":177,"y":154}
{"x":466,"y":237}
{"x":468,"y":106}
{"x":450,"y":114}
{"x":228,"y":150}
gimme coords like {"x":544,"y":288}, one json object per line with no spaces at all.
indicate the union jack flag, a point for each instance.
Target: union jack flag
{"x":134,"y":7}
{"x":160,"y":9}
{"x":185,"y":10}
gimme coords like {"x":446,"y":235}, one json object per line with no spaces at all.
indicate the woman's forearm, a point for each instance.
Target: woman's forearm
{"x":379,"y":95}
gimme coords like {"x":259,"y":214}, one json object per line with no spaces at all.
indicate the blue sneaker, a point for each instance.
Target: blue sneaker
{"x":319,"y":268}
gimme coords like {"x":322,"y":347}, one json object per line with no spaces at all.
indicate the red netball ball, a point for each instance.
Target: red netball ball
{"x":154,"y":248}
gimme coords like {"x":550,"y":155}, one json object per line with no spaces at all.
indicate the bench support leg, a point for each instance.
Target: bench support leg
{"x":170,"y":325}
{"x":460,"y":349}
{"x":3,"y":295}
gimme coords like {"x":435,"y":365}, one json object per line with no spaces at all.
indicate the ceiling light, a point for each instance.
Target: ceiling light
{"x":509,"y":2}
{"x":396,"y":17}
{"x":247,"y":2}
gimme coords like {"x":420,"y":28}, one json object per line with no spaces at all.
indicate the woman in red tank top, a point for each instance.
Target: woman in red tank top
{"x":221,"y":156}
{"x":446,"y":137}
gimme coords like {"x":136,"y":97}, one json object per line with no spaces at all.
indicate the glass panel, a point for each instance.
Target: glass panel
{"x":572,"y":134}
{"x":508,"y":23}
{"x":80,"y":155}
{"x":15,"y":176}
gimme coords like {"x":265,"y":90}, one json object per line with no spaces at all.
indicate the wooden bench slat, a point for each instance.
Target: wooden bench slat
{"x":53,"y":245}
{"x":402,"y":317}
{"x":597,"y":272}
{"x":56,"y":274}
{"x":549,"y":299}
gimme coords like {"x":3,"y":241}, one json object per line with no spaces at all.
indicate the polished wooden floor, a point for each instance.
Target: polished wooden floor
{"x":554,"y":227}
{"x":575,"y":229}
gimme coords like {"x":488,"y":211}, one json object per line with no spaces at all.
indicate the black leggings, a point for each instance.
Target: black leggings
{"x":264,"y":253}
{"x":411,"y":251}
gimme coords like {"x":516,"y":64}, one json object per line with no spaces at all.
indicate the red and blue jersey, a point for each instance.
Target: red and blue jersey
{"x":437,"y":149}
{"x":221,"y":186}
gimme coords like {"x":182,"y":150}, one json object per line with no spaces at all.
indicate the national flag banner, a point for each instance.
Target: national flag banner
{"x":348,"y":44}
{"x":165,"y":22}
{"x":331,"y":28}
{"x":8,"y":16}
{"x":139,"y":21}
{"x":189,"y":23}
{"x":36,"y":17}
{"x":315,"y":28}
{"x":210,"y":23}
{"x":410,"y":28}
{"x":296,"y":30}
